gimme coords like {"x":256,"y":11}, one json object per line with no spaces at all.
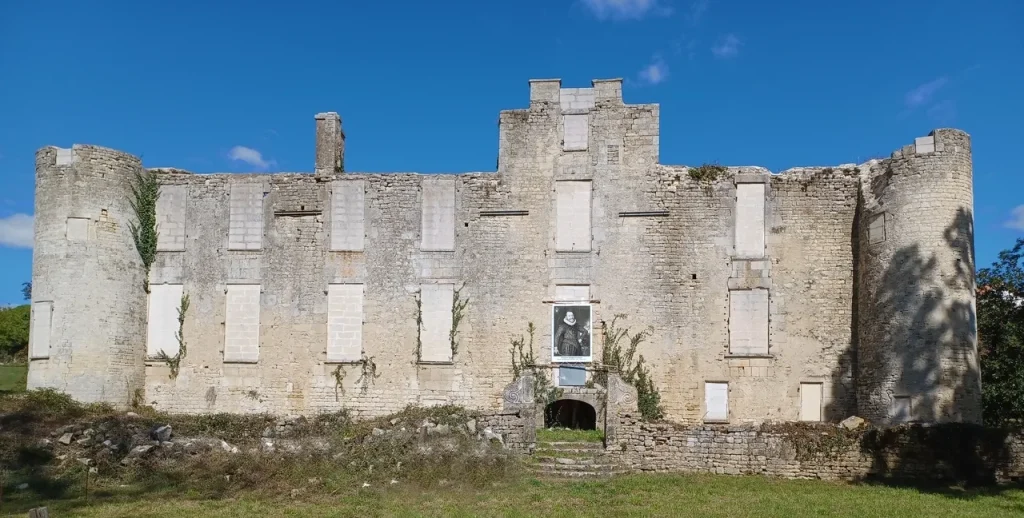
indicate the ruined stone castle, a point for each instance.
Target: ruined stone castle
{"x":811,"y":294}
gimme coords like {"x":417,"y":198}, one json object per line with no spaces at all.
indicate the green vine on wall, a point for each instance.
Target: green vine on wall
{"x":339,"y":378}
{"x":630,"y":366}
{"x":419,"y":326}
{"x":458,"y":312}
{"x":174,"y":362}
{"x":145,"y":193}
{"x":706,"y":175}
{"x":523,"y":360}
{"x":368,"y":372}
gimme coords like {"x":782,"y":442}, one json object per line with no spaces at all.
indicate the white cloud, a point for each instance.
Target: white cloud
{"x":654,"y":73}
{"x":1016,"y":218}
{"x":727,"y":47}
{"x":16,"y":231}
{"x":625,"y":9}
{"x":924,"y":93}
{"x":249,"y":156}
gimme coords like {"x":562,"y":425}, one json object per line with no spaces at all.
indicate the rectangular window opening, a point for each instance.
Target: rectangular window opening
{"x":810,"y":401}
{"x":164,"y":302}
{"x":40,"y":329}
{"x":572,"y":216}
{"x":435,"y":331}
{"x":242,"y":323}
{"x":748,"y":322}
{"x":344,"y":322}
{"x":716,"y":401}
{"x":750,"y":220}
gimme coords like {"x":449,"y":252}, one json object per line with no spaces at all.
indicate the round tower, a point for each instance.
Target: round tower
{"x":917,"y":333}
{"x":88,"y":330}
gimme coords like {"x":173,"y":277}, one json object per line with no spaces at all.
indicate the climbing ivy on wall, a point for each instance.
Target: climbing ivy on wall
{"x":145,"y":193}
{"x":458,"y":312}
{"x":174,"y":362}
{"x":631,"y":367}
{"x":523,"y":361}
{"x":419,"y":326}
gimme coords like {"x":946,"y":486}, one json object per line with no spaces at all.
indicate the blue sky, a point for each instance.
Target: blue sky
{"x":233,"y":86}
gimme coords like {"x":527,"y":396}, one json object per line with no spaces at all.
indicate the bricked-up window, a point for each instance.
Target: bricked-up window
{"x":575,"y":132}
{"x":716,"y":401}
{"x":436,"y":307}
{"x":170,"y":217}
{"x":77,"y":229}
{"x":39,"y":335}
{"x":748,"y":322}
{"x":344,"y":322}
{"x":572,"y":293}
{"x":572,"y":376}
{"x":245,"y":228}
{"x":347,"y":215}
{"x":750,"y":220}
{"x":164,"y":301}
{"x":438,"y":214}
{"x":902,"y":410}
{"x":572,"y":216}
{"x":242,"y":323}
{"x":876,"y":228}
{"x":810,"y":401}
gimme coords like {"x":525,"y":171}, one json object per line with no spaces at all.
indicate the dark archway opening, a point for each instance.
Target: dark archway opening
{"x":569,"y":413}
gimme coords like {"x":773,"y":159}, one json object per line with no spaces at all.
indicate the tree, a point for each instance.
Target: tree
{"x":1001,"y":336}
{"x":26,"y":290}
{"x":13,"y":331}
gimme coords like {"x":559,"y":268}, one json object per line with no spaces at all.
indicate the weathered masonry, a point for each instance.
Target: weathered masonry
{"x":811,"y":294}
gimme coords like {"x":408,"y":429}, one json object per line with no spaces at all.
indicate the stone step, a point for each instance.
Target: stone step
{"x":571,"y":446}
{"x":579,"y":472}
{"x":567,"y":468}
{"x":571,"y":461}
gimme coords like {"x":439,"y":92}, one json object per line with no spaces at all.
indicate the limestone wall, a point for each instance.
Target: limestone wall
{"x":748,"y":281}
{"x":957,"y":452}
{"x":88,"y":282}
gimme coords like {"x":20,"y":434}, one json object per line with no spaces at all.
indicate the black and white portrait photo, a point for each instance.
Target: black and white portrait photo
{"x":571,"y":333}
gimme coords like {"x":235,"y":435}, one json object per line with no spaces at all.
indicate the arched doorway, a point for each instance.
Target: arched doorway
{"x":570,"y":413}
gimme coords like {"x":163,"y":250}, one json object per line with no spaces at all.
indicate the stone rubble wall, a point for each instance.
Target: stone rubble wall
{"x":960,"y":452}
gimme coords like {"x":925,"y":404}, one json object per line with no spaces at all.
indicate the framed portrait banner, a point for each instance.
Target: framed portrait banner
{"x":571,"y":333}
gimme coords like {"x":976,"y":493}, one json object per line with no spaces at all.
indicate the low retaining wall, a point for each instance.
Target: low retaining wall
{"x":517,"y":428}
{"x":959,"y":452}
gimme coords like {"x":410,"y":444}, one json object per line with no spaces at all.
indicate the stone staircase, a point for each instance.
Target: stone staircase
{"x":573,"y":460}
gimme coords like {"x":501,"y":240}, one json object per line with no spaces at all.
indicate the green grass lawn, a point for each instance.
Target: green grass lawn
{"x":568,"y":435}
{"x":12,"y":378}
{"x":636,"y":495}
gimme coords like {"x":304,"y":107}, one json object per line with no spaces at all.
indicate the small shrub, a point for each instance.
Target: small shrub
{"x":706,"y":175}
{"x":523,"y":360}
{"x":630,"y":366}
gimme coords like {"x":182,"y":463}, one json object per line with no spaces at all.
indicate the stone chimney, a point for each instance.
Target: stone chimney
{"x":330,"y":144}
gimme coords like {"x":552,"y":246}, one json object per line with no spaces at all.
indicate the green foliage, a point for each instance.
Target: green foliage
{"x":524,"y":361}
{"x":419,"y":326}
{"x":569,"y":435}
{"x":815,"y":441}
{"x":458,"y":312}
{"x":631,"y":366}
{"x":367,"y":372}
{"x":145,"y":192}
{"x":339,"y":379}
{"x":14,"y":323}
{"x":1001,"y":336}
{"x":13,"y":377}
{"x":26,"y":290}
{"x":706,"y":175}
{"x":174,"y":362}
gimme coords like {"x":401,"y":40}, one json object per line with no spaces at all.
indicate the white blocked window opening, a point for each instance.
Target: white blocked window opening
{"x":750,"y":220}
{"x":572,"y":293}
{"x":748,"y":322}
{"x":810,"y":401}
{"x":242,"y":323}
{"x":436,"y":313}
{"x":572,"y":376}
{"x":245,"y":228}
{"x":170,"y":218}
{"x":575,"y":132}
{"x":876,"y":229}
{"x":77,"y":229}
{"x":902,"y":410}
{"x":164,"y":301}
{"x":347,"y":215}
{"x":344,"y":322}
{"x":572,"y":216}
{"x":42,"y":322}
{"x":438,"y":214}
{"x":716,"y":401}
